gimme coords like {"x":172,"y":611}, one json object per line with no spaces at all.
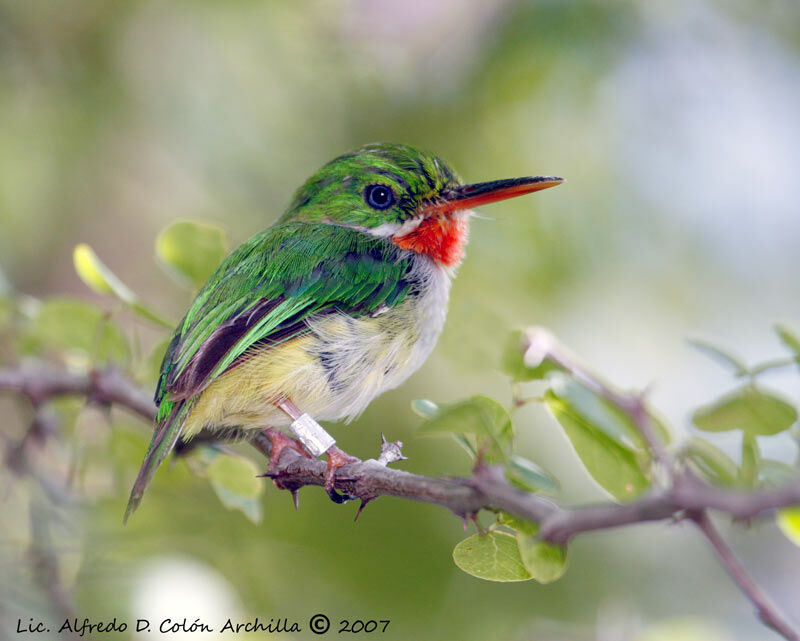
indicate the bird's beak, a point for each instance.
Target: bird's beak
{"x":469,"y":196}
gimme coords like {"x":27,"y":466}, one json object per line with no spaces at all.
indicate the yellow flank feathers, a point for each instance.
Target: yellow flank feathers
{"x":244,"y":396}
{"x":332,"y":372}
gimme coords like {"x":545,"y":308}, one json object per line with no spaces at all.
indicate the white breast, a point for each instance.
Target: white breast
{"x":364,"y":357}
{"x":431,"y":309}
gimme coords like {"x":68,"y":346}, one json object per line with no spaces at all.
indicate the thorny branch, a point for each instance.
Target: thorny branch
{"x":685,"y":496}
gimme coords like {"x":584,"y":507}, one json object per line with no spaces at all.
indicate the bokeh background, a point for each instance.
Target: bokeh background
{"x":676,"y":126}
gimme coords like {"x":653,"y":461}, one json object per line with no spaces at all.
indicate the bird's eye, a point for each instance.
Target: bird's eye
{"x":379,"y":196}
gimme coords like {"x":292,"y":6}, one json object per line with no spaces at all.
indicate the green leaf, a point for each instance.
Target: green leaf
{"x":544,"y":561}
{"x":513,"y":360}
{"x":607,"y":416}
{"x":466,"y":442}
{"x":604,"y":415}
{"x":479,"y":415}
{"x":235,"y":481}
{"x":191,"y":251}
{"x":789,"y":339}
{"x":518,"y":525}
{"x":616,"y":467}
{"x":751,"y":460}
{"x":788,"y":520}
{"x":776,"y":473}
{"x":716,"y":466}
{"x":94,"y":273}
{"x":98,"y":277}
{"x":766,"y":366}
{"x":77,"y":326}
{"x":494,"y":557}
{"x":661,"y":430}
{"x":720,"y":355}
{"x":424,"y":408}
{"x":528,"y":476}
{"x":749,"y":409}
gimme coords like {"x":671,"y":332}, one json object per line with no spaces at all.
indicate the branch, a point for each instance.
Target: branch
{"x":41,"y":383}
{"x":487,"y":488}
{"x":765,"y":609}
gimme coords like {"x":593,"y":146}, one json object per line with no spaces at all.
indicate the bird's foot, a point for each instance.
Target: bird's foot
{"x":336,"y":459}
{"x":281,"y":442}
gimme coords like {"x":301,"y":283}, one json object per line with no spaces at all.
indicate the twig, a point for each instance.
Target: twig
{"x":542,"y":345}
{"x":107,"y":386}
{"x":766,"y":610}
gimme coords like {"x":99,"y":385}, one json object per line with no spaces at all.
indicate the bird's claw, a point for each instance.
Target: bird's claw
{"x":281,"y":442}
{"x":390,"y":452}
{"x":336,"y":459}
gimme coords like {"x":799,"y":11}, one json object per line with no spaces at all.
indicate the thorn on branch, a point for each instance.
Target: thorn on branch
{"x":361,"y":508}
{"x":391,"y":452}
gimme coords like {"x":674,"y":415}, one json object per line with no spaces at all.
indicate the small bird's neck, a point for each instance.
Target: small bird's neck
{"x":441,"y":238}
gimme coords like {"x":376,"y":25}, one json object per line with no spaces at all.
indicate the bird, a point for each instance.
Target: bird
{"x":340,"y":300}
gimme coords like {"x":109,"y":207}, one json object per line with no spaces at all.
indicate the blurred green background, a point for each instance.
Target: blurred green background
{"x":674,"y":123}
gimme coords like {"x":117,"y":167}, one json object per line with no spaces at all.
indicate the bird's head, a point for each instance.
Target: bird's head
{"x":407,"y":196}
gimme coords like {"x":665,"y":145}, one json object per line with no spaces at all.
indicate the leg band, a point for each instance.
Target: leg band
{"x":312,"y":435}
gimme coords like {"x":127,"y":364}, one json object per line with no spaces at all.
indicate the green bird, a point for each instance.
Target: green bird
{"x":341,"y":299}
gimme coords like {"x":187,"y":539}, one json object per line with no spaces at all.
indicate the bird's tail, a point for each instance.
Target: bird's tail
{"x":168,"y":430}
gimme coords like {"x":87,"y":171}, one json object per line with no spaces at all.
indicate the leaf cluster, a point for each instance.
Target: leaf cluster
{"x":607,"y":438}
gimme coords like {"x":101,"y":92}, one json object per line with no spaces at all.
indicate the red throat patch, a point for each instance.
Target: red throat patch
{"x":440,"y":237}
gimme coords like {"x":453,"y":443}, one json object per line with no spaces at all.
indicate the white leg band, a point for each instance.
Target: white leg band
{"x":312,"y":435}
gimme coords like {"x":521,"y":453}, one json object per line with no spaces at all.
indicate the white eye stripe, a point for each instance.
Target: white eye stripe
{"x":395,"y":229}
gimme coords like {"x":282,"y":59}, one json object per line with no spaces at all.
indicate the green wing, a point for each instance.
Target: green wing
{"x":263,"y":292}
{"x":261,"y":295}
